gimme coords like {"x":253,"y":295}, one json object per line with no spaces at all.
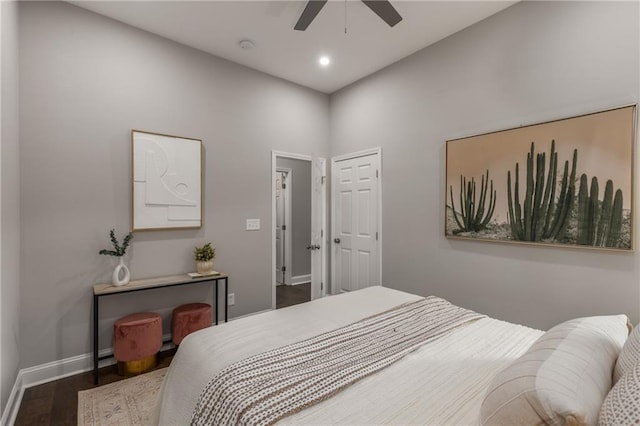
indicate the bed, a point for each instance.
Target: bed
{"x":441,"y":382}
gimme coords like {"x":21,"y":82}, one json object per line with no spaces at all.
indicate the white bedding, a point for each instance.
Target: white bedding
{"x":441,"y":383}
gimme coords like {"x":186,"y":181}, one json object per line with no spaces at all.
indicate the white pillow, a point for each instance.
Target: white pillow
{"x":629,"y":356}
{"x":562,"y":379}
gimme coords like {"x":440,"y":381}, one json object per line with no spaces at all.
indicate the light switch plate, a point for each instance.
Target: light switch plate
{"x":253,"y":224}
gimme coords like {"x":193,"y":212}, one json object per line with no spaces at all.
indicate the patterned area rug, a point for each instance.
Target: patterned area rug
{"x":127,"y":402}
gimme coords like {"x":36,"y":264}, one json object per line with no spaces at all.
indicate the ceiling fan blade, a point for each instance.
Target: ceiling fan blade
{"x":309,"y":13}
{"x":384,"y":10}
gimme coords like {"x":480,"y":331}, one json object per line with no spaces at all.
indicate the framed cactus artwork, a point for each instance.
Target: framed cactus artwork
{"x":567,"y":182}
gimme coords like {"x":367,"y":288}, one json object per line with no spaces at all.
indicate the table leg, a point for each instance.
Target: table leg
{"x":213,"y":312}
{"x":226,"y":299}
{"x":95,"y":339}
{"x":216,"y":302}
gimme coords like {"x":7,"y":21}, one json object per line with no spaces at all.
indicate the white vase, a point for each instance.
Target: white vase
{"x":121,"y":270}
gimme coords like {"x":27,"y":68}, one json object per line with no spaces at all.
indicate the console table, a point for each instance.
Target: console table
{"x":102,"y":290}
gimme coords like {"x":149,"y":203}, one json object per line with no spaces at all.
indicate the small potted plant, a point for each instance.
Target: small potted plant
{"x":119,"y":251}
{"x":204,"y":258}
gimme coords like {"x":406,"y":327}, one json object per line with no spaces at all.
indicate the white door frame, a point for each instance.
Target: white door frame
{"x":324,"y":234}
{"x":334,"y":178}
{"x":287,"y":223}
{"x":323,"y":246}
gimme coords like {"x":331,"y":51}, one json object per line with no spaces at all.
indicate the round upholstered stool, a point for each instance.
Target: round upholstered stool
{"x":137,"y":338}
{"x":189,"y":318}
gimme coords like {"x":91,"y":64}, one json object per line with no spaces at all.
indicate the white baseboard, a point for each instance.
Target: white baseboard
{"x":301,"y":279}
{"x":13,"y":403}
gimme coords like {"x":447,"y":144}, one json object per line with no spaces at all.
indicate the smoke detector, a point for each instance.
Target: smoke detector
{"x":246,"y":44}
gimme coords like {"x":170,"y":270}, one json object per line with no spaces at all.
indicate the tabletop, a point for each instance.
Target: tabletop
{"x":108,"y":288}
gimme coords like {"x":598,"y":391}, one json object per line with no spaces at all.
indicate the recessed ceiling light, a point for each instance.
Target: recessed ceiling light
{"x":324,"y":61}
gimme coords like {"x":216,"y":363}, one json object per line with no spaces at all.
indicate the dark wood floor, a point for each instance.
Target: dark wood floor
{"x":289,"y":295}
{"x":56,"y":403}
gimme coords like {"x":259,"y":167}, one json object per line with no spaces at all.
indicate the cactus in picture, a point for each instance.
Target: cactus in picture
{"x":588,"y":213}
{"x":615,"y":232}
{"x":473,"y":216}
{"x":599,"y":222}
{"x":544,"y":215}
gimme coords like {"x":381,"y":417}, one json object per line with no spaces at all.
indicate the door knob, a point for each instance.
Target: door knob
{"x":336,"y":240}
{"x":313,"y":247}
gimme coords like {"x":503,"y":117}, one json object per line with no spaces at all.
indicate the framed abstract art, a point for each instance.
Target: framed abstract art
{"x":167,"y":181}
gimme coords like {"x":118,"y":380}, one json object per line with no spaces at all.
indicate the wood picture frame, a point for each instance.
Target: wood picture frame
{"x":166,"y":180}
{"x":567,"y":182}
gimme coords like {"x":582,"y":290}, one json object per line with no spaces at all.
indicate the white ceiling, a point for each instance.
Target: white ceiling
{"x":369,"y":45}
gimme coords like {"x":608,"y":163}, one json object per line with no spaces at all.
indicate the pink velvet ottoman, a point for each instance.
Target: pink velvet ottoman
{"x":137,"y":338}
{"x":189,"y":318}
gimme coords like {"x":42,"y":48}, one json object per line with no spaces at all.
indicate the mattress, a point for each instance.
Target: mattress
{"x":443,"y":382}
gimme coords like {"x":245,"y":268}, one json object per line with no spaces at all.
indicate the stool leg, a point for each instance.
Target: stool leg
{"x":140,"y":366}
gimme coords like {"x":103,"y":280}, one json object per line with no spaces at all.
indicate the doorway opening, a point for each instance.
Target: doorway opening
{"x":293,"y":231}
{"x":298,"y":216}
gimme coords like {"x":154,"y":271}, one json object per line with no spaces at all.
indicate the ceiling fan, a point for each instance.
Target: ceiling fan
{"x":382,"y":8}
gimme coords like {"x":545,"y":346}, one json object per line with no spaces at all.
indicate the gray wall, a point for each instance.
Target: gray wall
{"x":533,"y":62}
{"x":300,"y":214}
{"x":86,"y":81}
{"x":10,"y":190}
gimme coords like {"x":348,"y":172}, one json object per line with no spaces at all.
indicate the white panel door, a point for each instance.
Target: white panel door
{"x":355,"y":237}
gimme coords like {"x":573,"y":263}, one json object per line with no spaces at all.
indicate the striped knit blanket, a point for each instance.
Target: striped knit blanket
{"x":264,"y":388}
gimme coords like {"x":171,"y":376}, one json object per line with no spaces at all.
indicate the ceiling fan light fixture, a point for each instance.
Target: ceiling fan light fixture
{"x":324,"y":61}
